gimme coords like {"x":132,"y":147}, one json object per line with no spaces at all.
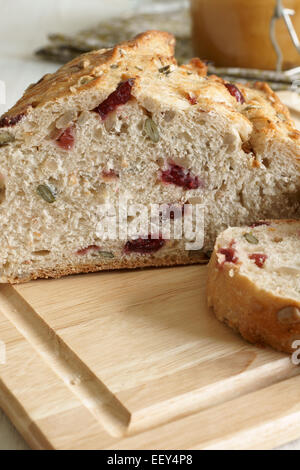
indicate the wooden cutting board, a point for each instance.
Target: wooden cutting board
{"x":135,"y":360}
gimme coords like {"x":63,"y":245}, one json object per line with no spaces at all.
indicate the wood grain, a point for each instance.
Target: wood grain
{"x":126,"y":360}
{"x":136,"y":360}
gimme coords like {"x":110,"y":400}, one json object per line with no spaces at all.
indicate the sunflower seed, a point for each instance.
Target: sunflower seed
{"x":84,"y":117}
{"x":97,"y":73}
{"x":251,"y":238}
{"x":46,"y":193}
{"x":151,"y":130}
{"x":289,"y":315}
{"x":64,"y":120}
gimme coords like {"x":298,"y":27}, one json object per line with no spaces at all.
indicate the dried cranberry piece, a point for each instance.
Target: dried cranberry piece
{"x":259,"y":258}
{"x":179,"y":176}
{"x":120,"y":96}
{"x":110,"y":174}
{"x":259,"y":223}
{"x":11,"y":121}
{"x":66,"y":140}
{"x":234,"y":91}
{"x":192,"y":99}
{"x":144,"y":246}
{"x":85,"y":251}
{"x":229,"y":253}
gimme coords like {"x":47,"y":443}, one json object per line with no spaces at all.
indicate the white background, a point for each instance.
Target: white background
{"x":24,"y":25}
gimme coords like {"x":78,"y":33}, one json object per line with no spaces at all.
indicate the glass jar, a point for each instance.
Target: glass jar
{"x":236,"y":33}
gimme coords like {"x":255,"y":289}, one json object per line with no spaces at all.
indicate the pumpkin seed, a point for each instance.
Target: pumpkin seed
{"x":6,"y":138}
{"x":165,"y":70}
{"x":84,"y":80}
{"x":199,"y":254}
{"x":76,"y":68}
{"x":64,"y":120}
{"x":151,"y":130}
{"x":106,"y":254}
{"x":252,"y":106}
{"x":46,"y":193}
{"x":251,"y":238}
{"x":85,"y":63}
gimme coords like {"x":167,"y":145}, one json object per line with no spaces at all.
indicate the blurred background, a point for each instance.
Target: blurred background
{"x":24,"y":26}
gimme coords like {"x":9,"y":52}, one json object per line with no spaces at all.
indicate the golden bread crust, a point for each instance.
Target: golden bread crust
{"x":141,"y":58}
{"x":142,"y":262}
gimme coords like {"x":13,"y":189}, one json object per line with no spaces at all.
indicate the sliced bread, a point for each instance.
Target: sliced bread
{"x":254,"y":282}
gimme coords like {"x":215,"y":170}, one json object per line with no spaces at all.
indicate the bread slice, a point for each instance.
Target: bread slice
{"x":254,"y":282}
{"x":129,"y":124}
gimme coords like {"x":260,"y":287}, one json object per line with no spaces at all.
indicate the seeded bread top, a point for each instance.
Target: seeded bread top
{"x":149,"y":59}
{"x":95,"y":69}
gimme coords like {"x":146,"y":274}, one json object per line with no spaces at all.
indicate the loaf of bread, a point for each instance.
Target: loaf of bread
{"x":129,"y":124}
{"x":254,"y":282}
